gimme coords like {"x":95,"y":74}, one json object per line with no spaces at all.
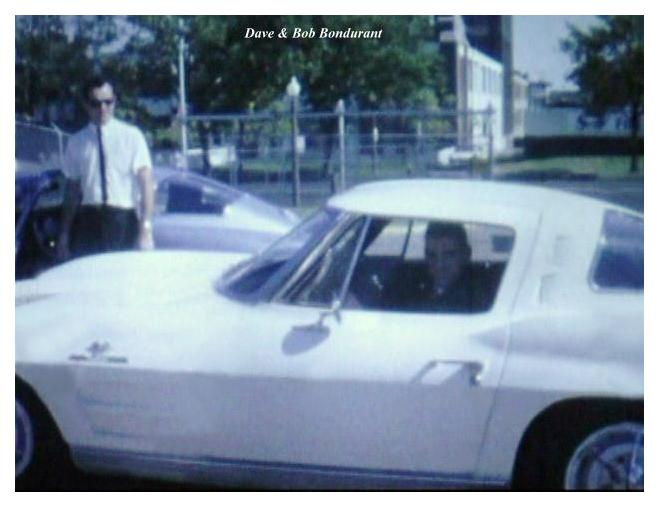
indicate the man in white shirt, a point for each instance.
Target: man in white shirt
{"x":108,"y":200}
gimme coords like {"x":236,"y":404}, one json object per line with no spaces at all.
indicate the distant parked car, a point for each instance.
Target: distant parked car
{"x":194,"y":212}
{"x":191,"y":212}
{"x":317,"y":358}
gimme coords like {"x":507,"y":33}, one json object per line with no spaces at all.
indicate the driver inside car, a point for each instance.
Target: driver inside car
{"x":446,"y":281}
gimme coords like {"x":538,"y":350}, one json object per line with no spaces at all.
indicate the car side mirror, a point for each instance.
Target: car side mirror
{"x":334,"y":310}
{"x":302,"y":338}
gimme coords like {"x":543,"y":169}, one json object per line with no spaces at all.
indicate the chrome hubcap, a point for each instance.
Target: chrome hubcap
{"x":610,"y":458}
{"x":24,"y":439}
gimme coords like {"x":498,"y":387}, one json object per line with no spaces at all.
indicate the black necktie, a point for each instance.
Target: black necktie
{"x":101,"y":153}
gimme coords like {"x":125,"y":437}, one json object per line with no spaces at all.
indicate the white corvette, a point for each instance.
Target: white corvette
{"x":313,"y":361}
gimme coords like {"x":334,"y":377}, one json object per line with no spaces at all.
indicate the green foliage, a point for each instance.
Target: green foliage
{"x":226,"y":72}
{"x":608,"y":69}
{"x":49,"y":65}
{"x":393,"y":71}
{"x":608,"y":62}
{"x":605,"y":166}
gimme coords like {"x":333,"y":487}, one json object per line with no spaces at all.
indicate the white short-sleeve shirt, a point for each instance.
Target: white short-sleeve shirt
{"x":125,"y":151}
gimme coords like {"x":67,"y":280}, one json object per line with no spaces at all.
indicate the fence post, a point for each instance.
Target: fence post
{"x":419,"y":144}
{"x":205,"y":147}
{"x":376,"y":137}
{"x":490,"y":141}
{"x":234,"y":169}
{"x":341,"y":111}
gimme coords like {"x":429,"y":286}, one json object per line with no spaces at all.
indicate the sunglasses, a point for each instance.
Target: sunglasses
{"x":96,"y":104}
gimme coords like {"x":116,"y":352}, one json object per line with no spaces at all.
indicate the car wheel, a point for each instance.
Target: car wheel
{"x":24,"y":439}
{"x":41,"y":455}
{"x":610,"y":457}
{"x":582,"y":448}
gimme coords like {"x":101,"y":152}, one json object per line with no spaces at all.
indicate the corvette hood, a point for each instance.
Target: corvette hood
{"x":146,"y":275}
{"x":113,"y":296}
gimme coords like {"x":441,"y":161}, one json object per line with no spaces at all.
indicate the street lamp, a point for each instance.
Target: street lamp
{"x":293,"y":88}
{"x":376,"y":138}
{"x":293,"y":91}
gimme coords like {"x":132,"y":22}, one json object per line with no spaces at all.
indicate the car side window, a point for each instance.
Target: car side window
{"x":180,"y":196}
{"x":618,"y":262}
{"x":391,"y":239}
{"x":430,"y":266}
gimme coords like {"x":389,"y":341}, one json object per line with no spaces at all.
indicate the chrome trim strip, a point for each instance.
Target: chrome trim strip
{"x":355,"y":257}
{"x":274,"y":474}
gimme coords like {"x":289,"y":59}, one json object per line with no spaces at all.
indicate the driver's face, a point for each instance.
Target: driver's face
{"x":445,"y":258}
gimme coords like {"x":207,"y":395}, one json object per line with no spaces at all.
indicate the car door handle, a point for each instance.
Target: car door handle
{"x":475,"y":369}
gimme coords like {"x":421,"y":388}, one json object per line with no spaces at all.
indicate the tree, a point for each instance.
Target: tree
{"x":229,"y":72}
{"x":55,"y":55}
{"x":47,"y":64}
{"x":395,"y":71}
{"x":226,"y":71}
{"x":608,"y":68}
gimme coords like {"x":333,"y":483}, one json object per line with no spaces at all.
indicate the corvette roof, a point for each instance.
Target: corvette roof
{"x":443,"y":198}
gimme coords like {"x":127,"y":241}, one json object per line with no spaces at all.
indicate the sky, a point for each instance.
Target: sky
{"x":536,"y":47}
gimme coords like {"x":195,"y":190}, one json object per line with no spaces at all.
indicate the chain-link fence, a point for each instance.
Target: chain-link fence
{"x":334,"y":150}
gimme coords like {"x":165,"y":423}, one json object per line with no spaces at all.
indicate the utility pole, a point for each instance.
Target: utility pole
{"x":183,"y":108}
{"x":341,"y":111}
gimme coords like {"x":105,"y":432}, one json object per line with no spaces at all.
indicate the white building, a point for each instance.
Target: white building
{"x":520,"y":104}
{"x":477,"y":83}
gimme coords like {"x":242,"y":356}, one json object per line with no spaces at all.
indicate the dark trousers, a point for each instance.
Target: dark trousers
{"x":102,"y":229}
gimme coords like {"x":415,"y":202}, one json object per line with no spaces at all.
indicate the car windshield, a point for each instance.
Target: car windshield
{"x":247,"y":280}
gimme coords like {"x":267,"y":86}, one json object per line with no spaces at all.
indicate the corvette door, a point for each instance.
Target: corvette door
{"x":393,"y":387}
{"x":335,"y":372}
{"x":346,"y":380}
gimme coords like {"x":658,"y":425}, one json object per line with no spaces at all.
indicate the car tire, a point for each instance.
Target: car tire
{"x":41,"y":454}
{"x":594,"y":456}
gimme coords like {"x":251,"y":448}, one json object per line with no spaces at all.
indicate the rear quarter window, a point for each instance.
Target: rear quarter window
{"x":618,"y":262}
